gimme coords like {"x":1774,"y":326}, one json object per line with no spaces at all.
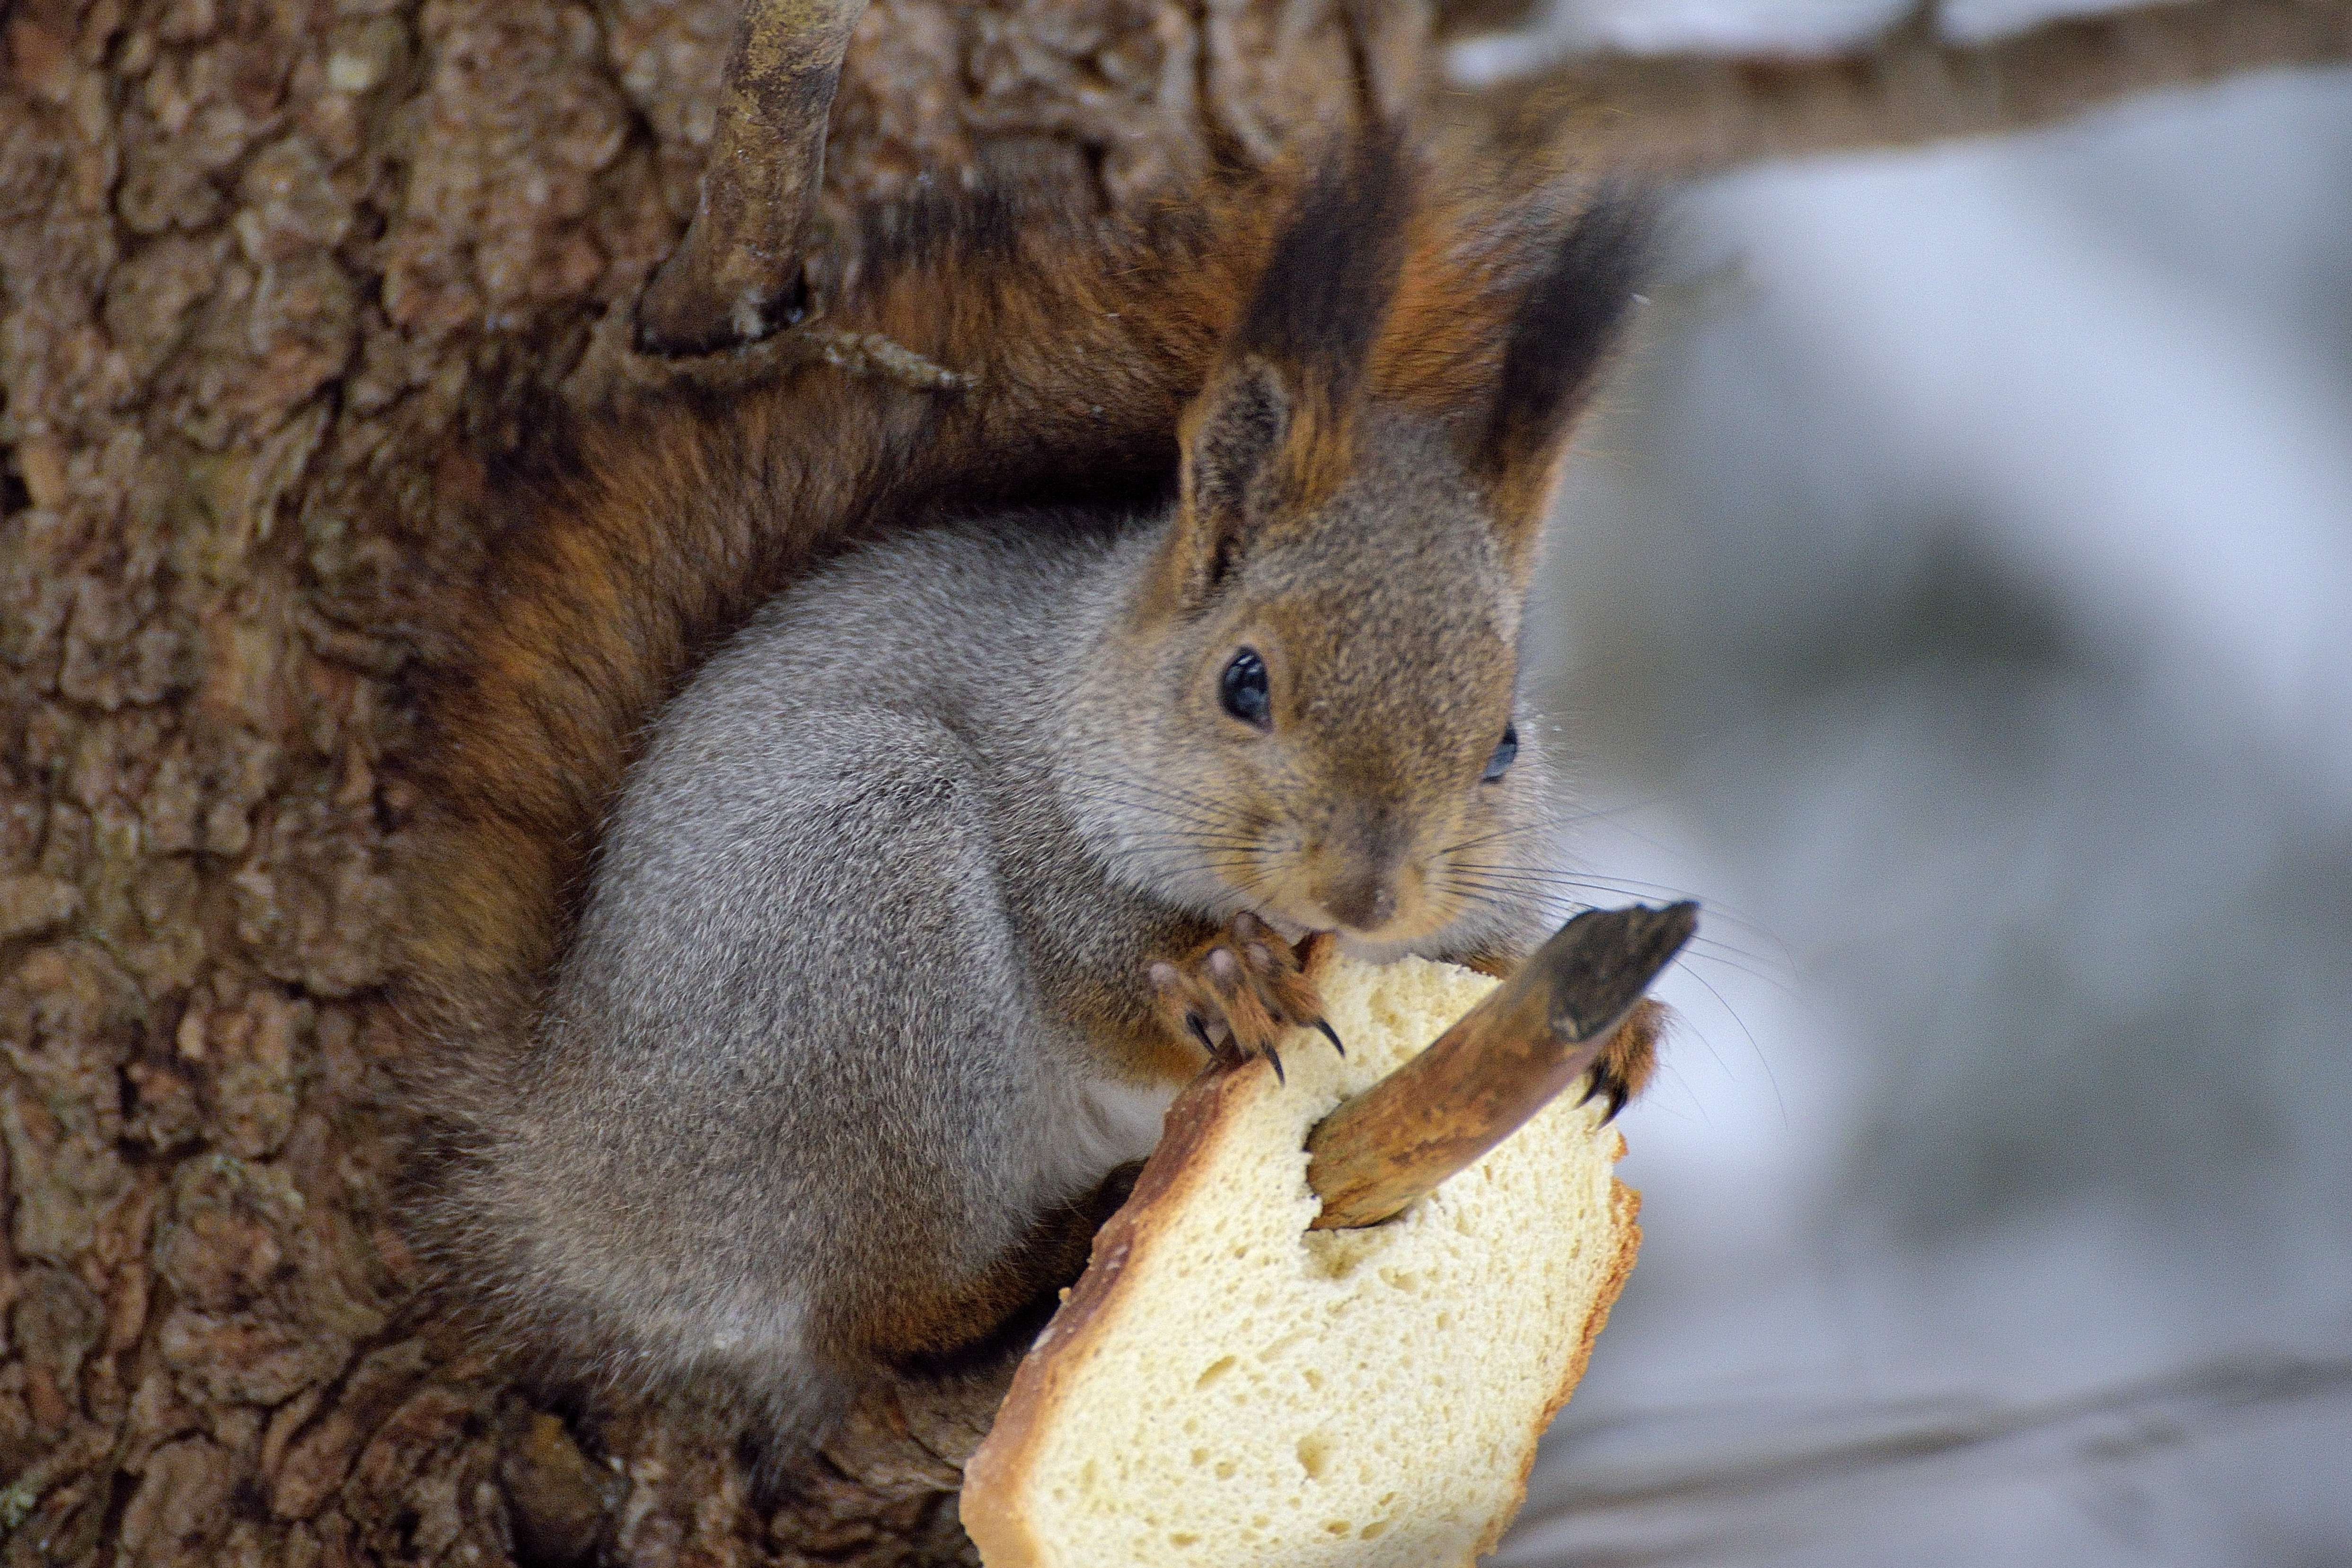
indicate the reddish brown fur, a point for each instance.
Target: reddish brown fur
{"x":1630,"y":1060}
{"x":1084,"y":342}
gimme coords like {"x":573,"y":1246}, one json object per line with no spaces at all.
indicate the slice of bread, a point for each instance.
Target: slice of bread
{"x":1227,"y":1389}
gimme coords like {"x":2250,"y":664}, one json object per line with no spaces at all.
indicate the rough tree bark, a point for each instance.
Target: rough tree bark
{"x":274,"y":274}
{"x":274,"y":271}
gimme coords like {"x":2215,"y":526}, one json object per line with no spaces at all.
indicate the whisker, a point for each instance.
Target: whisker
{"x":1497,"y":835}
{"x":1694,"y":952}
{"x":1198,"y":803}
{"x":1163,"y":810}
{"x":1638,"y":890}
{"x":1633,"y":833}
{"x":1487,"y":895}
{"x":1604,"y":812}
{"x":1766,"y":1062}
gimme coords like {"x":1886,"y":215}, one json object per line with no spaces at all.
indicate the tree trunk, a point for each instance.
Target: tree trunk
{"x":276,"y":278}
{"x":278,"y":273}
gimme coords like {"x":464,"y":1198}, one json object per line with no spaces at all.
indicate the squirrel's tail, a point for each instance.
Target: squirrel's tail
{"x":1070,"y":349}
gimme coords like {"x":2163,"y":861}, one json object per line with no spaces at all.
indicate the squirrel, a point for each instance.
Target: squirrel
{"x":858,"y":808}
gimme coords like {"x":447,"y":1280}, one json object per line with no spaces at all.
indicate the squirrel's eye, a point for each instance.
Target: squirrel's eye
{"x":1241,"y":688}
{"x":1505,"y":750}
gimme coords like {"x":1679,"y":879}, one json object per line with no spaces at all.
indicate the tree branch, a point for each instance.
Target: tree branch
{"x":1534,"y":1035}
{"x":735,"y":276}
{"x":1465,"y":18}
{"x":1657,"y":1509}
{"x":1682,"y":115}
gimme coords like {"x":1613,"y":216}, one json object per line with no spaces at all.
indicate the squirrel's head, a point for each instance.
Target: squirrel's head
{"x":1316,"y":684}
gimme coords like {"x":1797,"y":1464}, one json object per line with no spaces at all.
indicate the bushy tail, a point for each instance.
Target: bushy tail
{"x":661,"y":528}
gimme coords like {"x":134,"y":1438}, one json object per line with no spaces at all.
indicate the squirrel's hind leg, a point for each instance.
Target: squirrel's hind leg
{"x":934,"y":1337}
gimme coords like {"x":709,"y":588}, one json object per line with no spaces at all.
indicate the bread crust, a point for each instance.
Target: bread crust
{"x":1197,"y":1123}
{"x":990,"y":1507}
{"x":1624,"y":1215}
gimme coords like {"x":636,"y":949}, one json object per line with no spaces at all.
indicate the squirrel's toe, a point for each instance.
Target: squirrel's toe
{"x":1625,"y":1064}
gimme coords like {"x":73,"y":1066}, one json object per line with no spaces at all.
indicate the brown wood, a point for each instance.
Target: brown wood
{"x":1688,"y":115}
{"x":735,"y":276}
{"x":1534,"y":1035}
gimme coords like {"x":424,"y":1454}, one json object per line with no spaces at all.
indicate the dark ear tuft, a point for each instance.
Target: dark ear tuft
{"x":1566,"y":322}
{"x":1272,"y":432}
{"x":1333,"y":268}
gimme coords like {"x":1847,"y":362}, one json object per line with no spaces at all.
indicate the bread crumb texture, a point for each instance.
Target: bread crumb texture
{"x":1247,"y":1391}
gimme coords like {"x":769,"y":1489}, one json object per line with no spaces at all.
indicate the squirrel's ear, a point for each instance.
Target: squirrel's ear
{"x":1235,"y":437}
{"x":1272,"y":433}
{"x":1560,"y":336}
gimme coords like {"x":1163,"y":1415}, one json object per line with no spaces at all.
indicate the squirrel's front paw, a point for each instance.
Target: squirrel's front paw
{"x":1239,"y":992}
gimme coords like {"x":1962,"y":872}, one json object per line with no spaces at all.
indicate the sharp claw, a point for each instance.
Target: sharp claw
{"x":1331,"y":1035}
{"x":1201,"y":1032}
{"x":1616,"y":1102}
{"x":1594,"y":1088}
{"x":1275,"y":1057}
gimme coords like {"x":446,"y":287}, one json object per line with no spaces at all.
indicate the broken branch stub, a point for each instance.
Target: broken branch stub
{"x":1534,"y":1035}
{"x":736,"y":277}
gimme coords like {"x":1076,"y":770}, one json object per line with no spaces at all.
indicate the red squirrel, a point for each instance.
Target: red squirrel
{"x":859,"y":807}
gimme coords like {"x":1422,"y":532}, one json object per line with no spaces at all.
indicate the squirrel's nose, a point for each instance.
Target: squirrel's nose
{"x":1365,"y":902}
{"x":1360,"y":873}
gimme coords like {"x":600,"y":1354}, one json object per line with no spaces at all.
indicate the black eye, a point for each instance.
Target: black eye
{"x":1505,"y":750}
{"x":1241,"y":688}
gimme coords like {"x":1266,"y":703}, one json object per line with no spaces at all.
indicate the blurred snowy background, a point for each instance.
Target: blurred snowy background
{"x":1958,"y":597}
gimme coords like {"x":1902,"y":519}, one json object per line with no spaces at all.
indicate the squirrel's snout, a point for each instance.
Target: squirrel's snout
{"x":1363,"y":903}
{"x":1358,"y":874}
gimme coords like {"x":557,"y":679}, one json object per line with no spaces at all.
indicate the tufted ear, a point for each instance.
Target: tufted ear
{"x":1570,"y":317}
{"x":1273,"y":432}
{"x":1235,"y":440}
